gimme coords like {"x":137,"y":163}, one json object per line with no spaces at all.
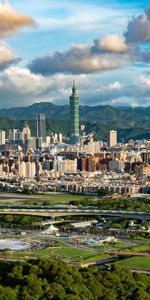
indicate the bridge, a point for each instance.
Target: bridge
{"x":145,"y":216}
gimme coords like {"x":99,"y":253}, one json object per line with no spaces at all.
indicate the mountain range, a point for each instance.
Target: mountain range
{"x":129,"y":122}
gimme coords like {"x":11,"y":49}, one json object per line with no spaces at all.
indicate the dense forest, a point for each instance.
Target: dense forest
{"x":53,"y":279}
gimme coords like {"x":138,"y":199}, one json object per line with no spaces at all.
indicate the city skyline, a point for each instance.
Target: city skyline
{"x":105,"y":49}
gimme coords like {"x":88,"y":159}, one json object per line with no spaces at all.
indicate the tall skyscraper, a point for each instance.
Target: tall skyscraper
{"x":41,"y":127}
{"x":74,"y":117}
{"x":112,"y":138}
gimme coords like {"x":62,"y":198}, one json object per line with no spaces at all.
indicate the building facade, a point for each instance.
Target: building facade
{"x":112,"y":138}
{"x":41,"y":127}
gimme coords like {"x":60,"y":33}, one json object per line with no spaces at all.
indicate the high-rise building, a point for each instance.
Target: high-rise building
{"x":146,"y":157}
{"x":112,"y":138}
{"x":60,"y":138}
{"x":31,"y":143}
{"x":74,"y":117}
{"x":41,"y":127}
{"x":27,"y":169}
{"x":12,"y":135}
{"x":2,"y":137}
{"x":18,"y":135}
{"x":26,"y":133}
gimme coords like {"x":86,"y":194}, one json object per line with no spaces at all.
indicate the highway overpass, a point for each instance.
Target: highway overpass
{"x":75,"y":212}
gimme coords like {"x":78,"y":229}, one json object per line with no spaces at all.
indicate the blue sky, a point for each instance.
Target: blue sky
{"x":100,"y":44}
{"x":53,"y":33}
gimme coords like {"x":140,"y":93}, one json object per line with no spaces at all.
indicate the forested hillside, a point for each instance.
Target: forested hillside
{"x":124,"y":117}
{"x":47,"y":279}
{"x":130,"y":123}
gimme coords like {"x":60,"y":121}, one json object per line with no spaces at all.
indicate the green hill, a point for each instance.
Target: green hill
{"x":129,"y":122}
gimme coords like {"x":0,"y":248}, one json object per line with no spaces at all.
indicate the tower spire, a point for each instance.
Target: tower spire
{"x":74,"y":88}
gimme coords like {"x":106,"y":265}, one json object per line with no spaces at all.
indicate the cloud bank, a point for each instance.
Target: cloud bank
{"x":138,"y":29}
{"x":107,"y":53}
{"x":84,"y":59}
{"x":21,"y":87}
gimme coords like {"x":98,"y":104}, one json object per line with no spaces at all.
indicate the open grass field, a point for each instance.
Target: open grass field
{"x":51,"y":199}
{"x":65,"y":198}
{"x":65,"y":252}
{"x":73,"y":253}
{"x":142,"y":263}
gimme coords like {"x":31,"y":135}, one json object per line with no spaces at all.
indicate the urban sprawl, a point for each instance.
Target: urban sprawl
{"x":72,"y":164}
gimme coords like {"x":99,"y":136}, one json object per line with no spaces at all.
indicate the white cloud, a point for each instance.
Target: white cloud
{"x":144,"y":81}
{"x":7,"y":55}
{"x":124,"y":101}
{"x":110,"y":87}
{"x":23,"y":81}
{"x":115,"y":86}
{"x":19,"y":86}
{"x":113,"y":43}
{"x":11,"y":21}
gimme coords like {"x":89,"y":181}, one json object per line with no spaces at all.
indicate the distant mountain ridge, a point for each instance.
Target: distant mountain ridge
{"x":118,"y":117}
{"x":129,"y":122}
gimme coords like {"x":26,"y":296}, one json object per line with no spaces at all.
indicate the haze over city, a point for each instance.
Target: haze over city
{"x":104,"y":46}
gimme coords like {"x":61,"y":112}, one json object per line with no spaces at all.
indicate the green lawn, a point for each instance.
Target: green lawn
{"x":97,"y":257}
{"x":73,"y":253}
{"x":139,"y":248}
{"x":36,"y":253}
{"x":51,"y":198}
{"x":140,"y":240}
{"x":64,"y":198}
{"x":142,"y":262}
{"x":65,"y":252}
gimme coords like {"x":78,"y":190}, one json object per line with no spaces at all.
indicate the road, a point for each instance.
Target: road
{"x":62,"y":212}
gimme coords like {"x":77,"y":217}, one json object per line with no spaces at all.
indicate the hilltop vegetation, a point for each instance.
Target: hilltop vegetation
{"x":120,"y":117}
{"x":54,"y":279}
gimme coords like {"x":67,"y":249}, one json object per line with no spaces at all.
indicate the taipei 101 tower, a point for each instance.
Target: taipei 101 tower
{"x":74,"y":117}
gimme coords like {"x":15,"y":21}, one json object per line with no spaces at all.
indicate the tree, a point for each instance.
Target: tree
{"x":7,"y":293}
{"x":103,"y":191}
